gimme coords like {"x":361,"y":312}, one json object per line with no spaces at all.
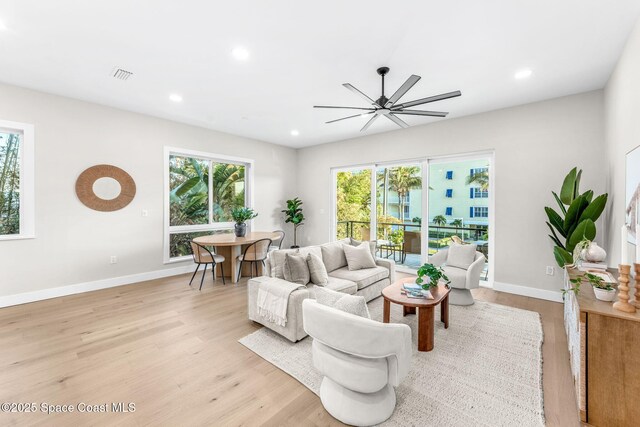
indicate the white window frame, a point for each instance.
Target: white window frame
{"x":211,"y":226}
{"x":479,"y":193}
{"x":480,"y":208}
{"x":27,"y":179}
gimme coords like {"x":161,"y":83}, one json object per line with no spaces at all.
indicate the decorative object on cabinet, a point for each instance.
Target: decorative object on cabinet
{"x":604,"y":354}
{"x":85,"y":188}
{"x":636,"y":294}
{"x":632,"y":194}
{"x":623,"y":290}
{"x":594,"y":253}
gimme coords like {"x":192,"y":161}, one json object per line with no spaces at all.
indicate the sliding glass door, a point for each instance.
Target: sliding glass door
{"x":416,"y":207}
{"x":459,"y":203}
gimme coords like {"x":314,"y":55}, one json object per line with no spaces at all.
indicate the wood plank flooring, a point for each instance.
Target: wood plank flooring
{"x":173,"y":352}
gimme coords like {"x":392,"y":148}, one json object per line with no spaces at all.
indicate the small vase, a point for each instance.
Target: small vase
{"x":240,"y":229}
{"x":604,"y":295}
{"x":594,"y":253}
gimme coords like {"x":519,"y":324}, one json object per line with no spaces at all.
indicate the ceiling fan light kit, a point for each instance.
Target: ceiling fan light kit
{"x":389,"y":107}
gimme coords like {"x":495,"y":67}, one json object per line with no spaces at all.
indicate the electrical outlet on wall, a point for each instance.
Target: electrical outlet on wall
{"x":550,"y":270}
{"x":113,"y":259}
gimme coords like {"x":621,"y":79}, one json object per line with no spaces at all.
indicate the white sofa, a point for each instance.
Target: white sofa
{"x":367,"y":282}
{"x":361,"y":365}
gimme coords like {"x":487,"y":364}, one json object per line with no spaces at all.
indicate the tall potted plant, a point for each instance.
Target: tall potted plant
{"x":577,"y":217}
{"x":295,"y":216}
{"x":240,"y":216}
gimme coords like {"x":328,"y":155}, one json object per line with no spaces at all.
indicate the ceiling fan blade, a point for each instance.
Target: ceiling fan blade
{"x":396,"y":120}
{"x":402,"y":90}
{"x":349,"y":108}
{"x":426,"y":100}
{"x":349,"y":117}
{"x":358,"y":92}
{"x":369,"y":122}
{"x":421,"y":113}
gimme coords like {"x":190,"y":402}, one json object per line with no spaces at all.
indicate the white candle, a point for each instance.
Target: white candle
{"x":638,"y":231}
{"x":624,"y":255}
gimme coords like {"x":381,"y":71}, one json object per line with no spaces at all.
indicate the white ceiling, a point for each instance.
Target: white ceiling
{"x":301,"y":53}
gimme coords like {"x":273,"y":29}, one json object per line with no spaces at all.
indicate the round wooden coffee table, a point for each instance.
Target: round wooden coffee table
{"x":426,"y":324}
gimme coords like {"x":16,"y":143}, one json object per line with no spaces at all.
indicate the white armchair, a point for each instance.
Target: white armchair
{"x":462,"y":279}
{"x":361,"y":360}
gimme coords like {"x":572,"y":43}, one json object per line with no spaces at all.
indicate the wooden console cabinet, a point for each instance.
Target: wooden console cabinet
{"x":604,"y":347}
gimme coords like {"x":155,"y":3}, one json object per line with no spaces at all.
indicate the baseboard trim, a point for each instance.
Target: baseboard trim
{"x":61,"y":291}
{"x":555,"y":296}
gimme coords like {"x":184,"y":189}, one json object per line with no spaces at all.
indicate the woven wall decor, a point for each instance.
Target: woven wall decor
{"x":84,"y":188}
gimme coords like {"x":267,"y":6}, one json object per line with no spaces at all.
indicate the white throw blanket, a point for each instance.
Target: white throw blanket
{"x":273,"y":298}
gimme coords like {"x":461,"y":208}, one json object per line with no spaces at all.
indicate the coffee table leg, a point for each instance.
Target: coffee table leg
{"x":444,"y":312}
{"x":425,"y":328}
{"x":408,"y":310}
{"x":386,"y":311}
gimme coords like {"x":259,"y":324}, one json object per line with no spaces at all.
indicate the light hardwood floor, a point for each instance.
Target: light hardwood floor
{"x":173,"y":351}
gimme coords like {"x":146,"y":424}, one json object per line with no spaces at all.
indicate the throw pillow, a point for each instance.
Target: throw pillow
{"x":295,"y":269}
{"x":306,"y":250}
{"x":353,"y":304}
{"x":461,"y":256}
{"x":276,"y":261}
{"x":359,"y":257}
{"x":317,"y":270}
{"x":333,"y":256}
{"x":373,"y":245}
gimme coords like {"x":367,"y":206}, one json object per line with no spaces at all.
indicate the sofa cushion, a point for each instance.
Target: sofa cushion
{"x":461,"y":256}
{"x":333,"y":256}
{"x":306,"y":250}
{"x":317,"y":270}
{"x":362,"y":278}
{"x":276,"y":260}
{"x":296,"y":269}
{"x":373,"y":245}
{"x":352,"y":304}
{"x":359,"y":257}
{"x":342,"y":285}
{"x":457,"y":276}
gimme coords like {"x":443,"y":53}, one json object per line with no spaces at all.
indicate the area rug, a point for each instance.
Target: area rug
{"x":485,"y":369}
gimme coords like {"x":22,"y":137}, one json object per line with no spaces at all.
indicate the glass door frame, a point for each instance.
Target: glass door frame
{"x":480,"y":155}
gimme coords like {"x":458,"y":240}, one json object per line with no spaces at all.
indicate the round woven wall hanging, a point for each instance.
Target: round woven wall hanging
{"x":84,"y":188}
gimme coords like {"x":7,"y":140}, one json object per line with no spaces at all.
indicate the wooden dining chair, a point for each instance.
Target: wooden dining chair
{"x":253,"y":254}
{"x":202,"y":255}
{"x":277,"y":242}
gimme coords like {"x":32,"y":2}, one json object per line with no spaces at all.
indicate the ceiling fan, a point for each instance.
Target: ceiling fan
{"x":389,"y":107}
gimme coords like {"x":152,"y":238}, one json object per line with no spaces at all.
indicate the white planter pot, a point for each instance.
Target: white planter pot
{"x":604,"y":295}
{"x":594,"y":253}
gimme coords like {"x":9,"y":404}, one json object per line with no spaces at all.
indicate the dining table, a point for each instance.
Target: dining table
{"x":230,"y":246}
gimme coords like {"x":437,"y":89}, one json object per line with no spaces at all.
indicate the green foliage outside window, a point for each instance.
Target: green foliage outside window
{"x":9,"y":183}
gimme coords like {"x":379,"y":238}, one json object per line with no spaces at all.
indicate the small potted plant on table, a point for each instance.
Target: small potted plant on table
{"x":240,"y":216}
{"x":603,"y":291}
{"x":432,"y":274}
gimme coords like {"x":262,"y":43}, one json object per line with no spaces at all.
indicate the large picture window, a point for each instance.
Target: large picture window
{"x":16,"y":181}
{"x":201,"y":191}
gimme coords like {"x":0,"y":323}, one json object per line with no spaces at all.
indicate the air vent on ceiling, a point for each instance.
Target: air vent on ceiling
{"x":121,"y":74}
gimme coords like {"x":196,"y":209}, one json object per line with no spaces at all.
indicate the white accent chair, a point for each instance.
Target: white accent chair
{"x":361,"y":360}
{"x":462,"y":280}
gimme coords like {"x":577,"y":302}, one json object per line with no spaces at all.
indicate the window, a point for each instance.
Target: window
{"x":476,"y":171}
{"x":449,"y":175}
{"x":406,"y":212}
{"x":16,"y":181}
{"x":478,"y":193}
{"x":448,"y":211}
{"x":201,"y":190}
{"x":449,"y":193}
{"x":479,"y":212}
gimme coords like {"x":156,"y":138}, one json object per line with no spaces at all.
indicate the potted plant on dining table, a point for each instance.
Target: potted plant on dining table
{"x":241,"y":216}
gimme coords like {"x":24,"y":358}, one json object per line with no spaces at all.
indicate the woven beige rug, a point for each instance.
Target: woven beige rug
{"x":485,"y":370}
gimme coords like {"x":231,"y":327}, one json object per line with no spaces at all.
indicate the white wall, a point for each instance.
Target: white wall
{"x":535,"y":146}
{"x":74,"y":243}
{"x":622,"y":129}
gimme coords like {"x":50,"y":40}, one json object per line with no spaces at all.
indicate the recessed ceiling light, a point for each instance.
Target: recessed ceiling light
{"x":523,"y":74}
{"x":295,"y":133}
{"x":175,"y":97}
{"x":240,"y":53}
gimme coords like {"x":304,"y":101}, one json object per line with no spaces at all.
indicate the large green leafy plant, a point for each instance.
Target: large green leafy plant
{"x":576,"y":219}
{"x":295,"y":216}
